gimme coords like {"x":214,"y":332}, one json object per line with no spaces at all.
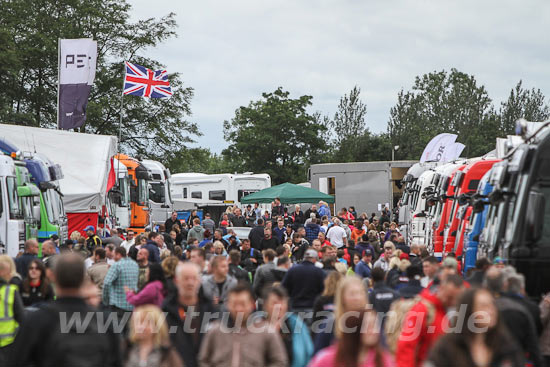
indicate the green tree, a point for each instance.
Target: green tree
{"x":29,"y":95}
{"x":196,"y":160}
{"x":348,"y":126}
{"x":522,"y":103}
{"x":275,"y":135}
{"x":442,"y":102}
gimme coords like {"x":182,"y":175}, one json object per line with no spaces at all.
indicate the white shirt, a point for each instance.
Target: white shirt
{"x":127,"y":244}
{"x":336,"y":236}
{"x":88,"y":262}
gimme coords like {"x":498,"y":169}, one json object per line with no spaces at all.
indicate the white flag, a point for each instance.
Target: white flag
{"x":435,"y":150}
{"x":452,"y":152}
{"x":77,"y":65}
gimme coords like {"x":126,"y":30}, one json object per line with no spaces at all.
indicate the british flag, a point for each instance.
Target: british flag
{"x":143,"y":82}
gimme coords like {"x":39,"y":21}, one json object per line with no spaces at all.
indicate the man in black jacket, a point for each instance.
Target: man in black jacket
{"x":46,"y":340}
{"x":269,"y":242}
{"x":170,"y":222}
{"x":381,"y":296}
{"x":251,"y":258}
{"x":304,"y":282}
{"x":186,"y":311}
{"x":238,"y":219}
{"x":256,"y":234}
{"x":23,"y":261}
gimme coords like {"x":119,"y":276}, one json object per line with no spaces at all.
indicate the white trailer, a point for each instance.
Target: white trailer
{"x":368,"y":186}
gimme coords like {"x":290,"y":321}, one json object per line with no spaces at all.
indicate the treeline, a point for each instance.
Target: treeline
{"x":274,"y":134}
{"x":277,"y":135}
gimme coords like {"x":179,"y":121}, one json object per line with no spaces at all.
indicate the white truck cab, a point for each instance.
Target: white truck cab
{"x":12,"y":224}
{"x":160,"y":197}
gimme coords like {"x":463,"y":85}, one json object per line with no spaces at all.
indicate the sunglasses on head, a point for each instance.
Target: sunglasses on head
{"x":387,"y":248}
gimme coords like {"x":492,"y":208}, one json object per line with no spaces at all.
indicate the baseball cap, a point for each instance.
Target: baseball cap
{"x":404,"y":255}
{"x":311,"y":254}
{"x":89,"y":228}
{"x":367,"y":252}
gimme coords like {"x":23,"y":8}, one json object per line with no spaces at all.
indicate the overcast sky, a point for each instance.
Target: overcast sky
{"x":232,"y":51}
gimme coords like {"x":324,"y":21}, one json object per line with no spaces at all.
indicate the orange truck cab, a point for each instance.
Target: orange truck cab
{"x":139,"y":177}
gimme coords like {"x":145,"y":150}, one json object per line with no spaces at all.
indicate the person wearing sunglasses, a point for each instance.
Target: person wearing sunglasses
{"x":36,"y":287}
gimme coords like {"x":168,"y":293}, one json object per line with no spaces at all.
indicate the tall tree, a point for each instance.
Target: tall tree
{"x":28,"y":95}
{"x":348,"y":125}
{"x":275,"y":135}
{"x":442,"y":102}
{"x":522,"y":103}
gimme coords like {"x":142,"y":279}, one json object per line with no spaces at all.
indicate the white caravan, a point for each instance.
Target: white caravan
{"x":223,"y":188}
{"x":160,"y":197}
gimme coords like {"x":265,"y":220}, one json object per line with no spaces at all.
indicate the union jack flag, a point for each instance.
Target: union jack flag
{"x":143,"y":82}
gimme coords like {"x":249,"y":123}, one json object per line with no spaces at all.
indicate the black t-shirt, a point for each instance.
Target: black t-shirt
{"x":220,"y":286}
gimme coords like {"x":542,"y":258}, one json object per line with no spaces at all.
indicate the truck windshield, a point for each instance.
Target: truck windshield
{"x":157,"y":193}
{"x":15,"y":208}
{"x":125,"y":190}
{"x":48,"y":205}
{"x":26,"y":203}
{"x":143,"y":192}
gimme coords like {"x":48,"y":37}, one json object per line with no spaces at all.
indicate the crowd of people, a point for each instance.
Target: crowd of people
{"x":310,"y":288}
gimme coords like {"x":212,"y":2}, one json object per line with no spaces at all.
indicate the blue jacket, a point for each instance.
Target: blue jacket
{"x":154,"y":252}
{"x":324,"y":210}
{"x":279,"y":233}
{"x":362,"y":269}
{"x":302,"y":345}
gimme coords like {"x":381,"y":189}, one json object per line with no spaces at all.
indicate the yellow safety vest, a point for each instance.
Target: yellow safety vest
{"x":8,"y":325}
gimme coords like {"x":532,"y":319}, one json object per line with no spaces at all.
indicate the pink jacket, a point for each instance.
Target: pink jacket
{"x":151,"y":294}
{"x":327,"y":358}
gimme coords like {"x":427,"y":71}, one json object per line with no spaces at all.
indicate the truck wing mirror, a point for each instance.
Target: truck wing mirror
{"x":496,"y":197}
{"x":463,"y":199}
{"x":478,"y":206}
{"x":535,"y":215}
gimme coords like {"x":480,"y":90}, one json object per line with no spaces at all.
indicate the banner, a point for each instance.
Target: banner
{"x":453,"y":152}
{"x":435,"y":150}
{"x":77,"y":65}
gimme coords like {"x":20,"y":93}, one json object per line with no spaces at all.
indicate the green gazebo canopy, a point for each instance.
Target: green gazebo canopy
{"x":289,"y":194}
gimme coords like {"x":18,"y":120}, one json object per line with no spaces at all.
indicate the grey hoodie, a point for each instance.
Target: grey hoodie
{"x":196,"y":232}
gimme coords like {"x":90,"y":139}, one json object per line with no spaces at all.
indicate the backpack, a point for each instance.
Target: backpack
{"x":396,"y":317}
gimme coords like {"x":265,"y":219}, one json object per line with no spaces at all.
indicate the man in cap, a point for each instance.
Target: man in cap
{"x":364,"y":267}
{"x":304,"y":282}
{"x":93,"y":240}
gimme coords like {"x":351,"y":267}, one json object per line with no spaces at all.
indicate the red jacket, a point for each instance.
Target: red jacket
{"x":417,"y":336}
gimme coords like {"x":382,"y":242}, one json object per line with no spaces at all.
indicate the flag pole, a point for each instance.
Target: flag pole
{"x":58,"y":75}
{"x":121,"y":107}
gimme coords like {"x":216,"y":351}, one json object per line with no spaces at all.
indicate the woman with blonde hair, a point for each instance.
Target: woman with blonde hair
{"x":14,"y":277}
{"x":350,"y":296}
{"x":75,"y":236}
{"x":325,"y":301}
{"x":169,"y":268}
{"x":219,"y":249}
{"x":150,"y":342}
